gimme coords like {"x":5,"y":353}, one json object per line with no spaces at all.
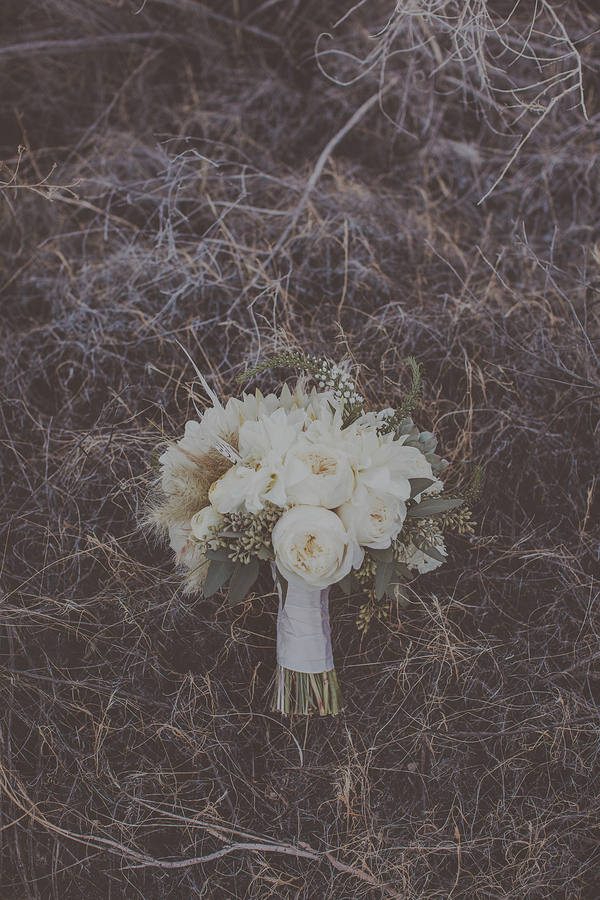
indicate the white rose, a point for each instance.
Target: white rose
{"x":227,"y":493}
{"x":317,"y":474}
{"x":312,"y":546}
{"x":202,"y":522}
{"x":242,"y":489}
{"x":374,"y":522}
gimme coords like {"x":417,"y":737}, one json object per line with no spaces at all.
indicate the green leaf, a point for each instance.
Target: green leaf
{"x":265,"y":553}
{"x":218,"y":573}
{"x":384,"y":572}
{"x":346,"y":583}
{"x":419,"y":484}
{"x":399,"y":593}
{"x":431,"y":507}
{"x":386,"y":555}
{"x":242,"y":580}
{"x":428,"y":550}
{"x":354,"y":414}
{"x":403,"y":571}
{"x":221,"y":554}
{"x":284,"y":587}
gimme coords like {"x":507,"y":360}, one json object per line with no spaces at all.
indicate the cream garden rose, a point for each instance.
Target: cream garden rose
{"x":375,"y":521}
{"x":317,"y":474}
{"x":203,"y":521}
{"x":312,"y":546}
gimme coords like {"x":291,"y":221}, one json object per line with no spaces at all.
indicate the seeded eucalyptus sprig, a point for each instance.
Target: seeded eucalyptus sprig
{"x":418,"y":531}
{"x":412,"y":399}
{"x":234,"y":551}
{"x":459,"y":520}
{"x":372,"y":609}
{"x":246,"y":535}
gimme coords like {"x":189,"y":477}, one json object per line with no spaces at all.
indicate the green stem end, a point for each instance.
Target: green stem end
{"x":305,"y":693}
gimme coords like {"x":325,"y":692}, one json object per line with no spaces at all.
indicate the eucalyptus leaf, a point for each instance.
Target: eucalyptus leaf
{"x":428,"y":550}
{"x":346,"y":583}
{"x":417,"y":485}
{"x":352,"y":416}
{"x":386,"y":555}
{"x":403,"y":571}
{"x":221,"y":554}
{"x":432,"y":507}
{"x":383,"y":575}
{"x":242,"y":580}
{"x":399,"y":593}
{"x":218,"y":573}
{"x":264,"y":553}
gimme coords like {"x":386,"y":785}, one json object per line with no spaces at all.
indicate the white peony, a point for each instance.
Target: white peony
{"x":381,"y":465}
{"x":374,"y":522}
{"x":317,"y":474}
{"x":313,"y":547}
{"x":416,"y":466}
{"x":201,"y":523}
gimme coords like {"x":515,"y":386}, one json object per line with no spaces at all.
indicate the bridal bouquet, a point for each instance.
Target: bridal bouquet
{"x":324,"y":491}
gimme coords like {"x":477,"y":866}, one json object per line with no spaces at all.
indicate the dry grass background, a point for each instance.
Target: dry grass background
{"x":172,"y":187}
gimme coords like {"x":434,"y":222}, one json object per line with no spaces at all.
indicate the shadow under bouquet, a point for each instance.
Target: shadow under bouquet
{"x":325,"y":492}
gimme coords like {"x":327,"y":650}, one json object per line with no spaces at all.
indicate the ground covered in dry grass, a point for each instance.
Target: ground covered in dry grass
{"x":172,"y":185}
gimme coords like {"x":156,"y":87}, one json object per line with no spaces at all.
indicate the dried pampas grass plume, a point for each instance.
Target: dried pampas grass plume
{"x":179,"y":492}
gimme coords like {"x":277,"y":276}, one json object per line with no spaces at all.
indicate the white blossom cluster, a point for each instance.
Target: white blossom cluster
{"x":331,"y":377}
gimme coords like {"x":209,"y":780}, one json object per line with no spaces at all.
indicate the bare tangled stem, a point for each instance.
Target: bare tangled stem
{"x":519,"y":64}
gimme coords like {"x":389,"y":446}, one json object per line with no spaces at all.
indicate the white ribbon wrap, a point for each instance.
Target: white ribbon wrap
{"x":303,"y":630}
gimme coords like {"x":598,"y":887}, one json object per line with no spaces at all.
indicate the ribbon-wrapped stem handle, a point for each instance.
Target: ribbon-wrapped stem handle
{"x":306,"y":681}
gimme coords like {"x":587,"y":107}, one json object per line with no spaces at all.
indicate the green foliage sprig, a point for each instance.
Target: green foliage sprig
{"x":473,"y":492}
{"x":289,"y":358}
{"x":412,"y":399}
{"x":461,"y":520}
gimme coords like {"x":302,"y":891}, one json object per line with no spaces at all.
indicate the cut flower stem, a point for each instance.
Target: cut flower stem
{"x":305,"y":693}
